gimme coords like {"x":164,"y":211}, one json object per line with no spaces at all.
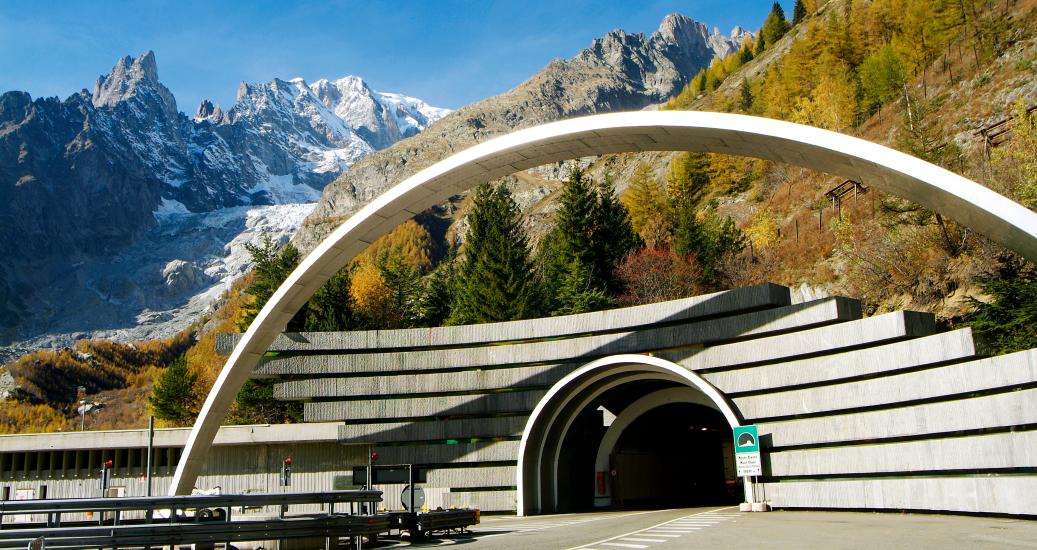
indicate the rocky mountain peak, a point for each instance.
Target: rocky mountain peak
{"x":208,"y":111}
{"x":127,"y":77}
{"x":675,"y":26}
{"x":620,"y":71}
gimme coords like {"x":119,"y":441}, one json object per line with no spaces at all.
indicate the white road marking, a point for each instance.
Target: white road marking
{"x":658,"y":530}
{"x":529,"y":527}
{"x":634,"y":539}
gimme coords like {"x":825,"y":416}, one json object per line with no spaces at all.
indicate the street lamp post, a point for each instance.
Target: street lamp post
{"x":81,"y":391}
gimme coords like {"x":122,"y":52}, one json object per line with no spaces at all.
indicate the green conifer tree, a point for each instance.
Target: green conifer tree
{"x":271,"y":266}
{"x":174,"y":397}
{"x":592,"y":235}
{"x":496,"y":282}
{"x":1007,"y":322}
{"x":403,"y":281}
{"x":612,"y":236}
{"x":774,"y":27}
{"x":439,"y":289}
{"x":575,"y":221}
{"x":799,"y":12}
{"x":331,"y":307}
{"x":575,"y":294}
{"x":745,"y":100}
{"x":710,"y":239}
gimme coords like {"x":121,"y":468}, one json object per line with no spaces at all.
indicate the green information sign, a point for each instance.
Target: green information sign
{"x":747,"y":451}
{"x":746,"y":439}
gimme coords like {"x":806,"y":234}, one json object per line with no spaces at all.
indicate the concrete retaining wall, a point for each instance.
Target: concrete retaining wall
{"x":836,"y":396}
{"x":881,"y":412}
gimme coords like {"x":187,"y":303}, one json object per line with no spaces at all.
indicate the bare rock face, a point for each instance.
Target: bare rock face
{"x":8,"y":385}
{"x":181,"y":277}
{"x":618,"y":72}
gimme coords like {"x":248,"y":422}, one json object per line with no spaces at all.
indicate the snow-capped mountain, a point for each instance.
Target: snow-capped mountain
{"x":380,"y":118}
{"x":83,"y":180}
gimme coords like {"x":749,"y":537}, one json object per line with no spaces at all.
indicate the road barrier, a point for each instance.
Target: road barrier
{"x":195,"y":519}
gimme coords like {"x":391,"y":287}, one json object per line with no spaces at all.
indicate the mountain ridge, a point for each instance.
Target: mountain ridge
{"x":84,"y":179}
{"x":619,"y":71}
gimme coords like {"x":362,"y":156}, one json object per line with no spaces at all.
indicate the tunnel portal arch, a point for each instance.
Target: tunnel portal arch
{"x":545,"y":431}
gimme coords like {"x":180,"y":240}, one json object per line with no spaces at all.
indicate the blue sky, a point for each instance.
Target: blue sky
{"x":449,"y":53}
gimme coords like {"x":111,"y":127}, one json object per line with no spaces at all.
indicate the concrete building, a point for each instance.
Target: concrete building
{"x":245,"y":459}
{"x":875,"y":413}
{"x":627,"y":407}
{"x":968,"y":202}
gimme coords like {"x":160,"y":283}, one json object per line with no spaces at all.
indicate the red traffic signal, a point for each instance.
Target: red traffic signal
{"x":108,"y":464}
{"x":288,"y":461}
{"x":374,"y":456}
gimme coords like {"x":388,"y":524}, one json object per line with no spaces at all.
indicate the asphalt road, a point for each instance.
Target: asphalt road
{"x":693,"y":528}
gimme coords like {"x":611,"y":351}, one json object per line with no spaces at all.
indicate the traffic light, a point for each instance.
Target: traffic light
{"x":286,"y":472}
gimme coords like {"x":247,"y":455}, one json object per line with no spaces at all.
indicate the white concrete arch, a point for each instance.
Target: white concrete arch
{"x":983,"y":210}
{"x":627,"y":416}
{"x":553,"y":415}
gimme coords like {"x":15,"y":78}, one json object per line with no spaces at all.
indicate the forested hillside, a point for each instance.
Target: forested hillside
{"x":920,"y":76}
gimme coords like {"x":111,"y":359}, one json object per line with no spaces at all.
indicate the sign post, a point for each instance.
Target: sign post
{"x":747,"y":456}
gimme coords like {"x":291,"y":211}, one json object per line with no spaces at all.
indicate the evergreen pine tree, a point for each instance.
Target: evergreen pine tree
{"x":173,"y":398}
{"x":255,"y":404}
{"x":592,"y":235}
{"x":271,"y":266}
{"x":1008,"y":322}
{"x":709,"y":239}
{"x":331,"y":307}
{"x":403,"y":281}
{"x":774,"y":27}
{"x":437,"y":296}
{"x":496,"y":275}
{"x":575,"y":221}
{"x":799,"y":11}
{"x":612,"y":236}
{"x":746,"y":96}
{"x":575,"y":292}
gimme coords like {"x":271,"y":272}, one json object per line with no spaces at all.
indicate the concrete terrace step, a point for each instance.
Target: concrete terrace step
{"x":728,"y":302}
{"x":940,"y":348}
{"x":419,"y":407}
{"x":390,"y":432}
{"x":755,"y":324}
{"x":1005,"y":371}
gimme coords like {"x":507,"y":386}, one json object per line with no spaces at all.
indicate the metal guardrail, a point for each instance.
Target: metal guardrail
{"x":55,"y":508}
{"x":183,"y":502}
{"x":211,"y":523}
{"x":164,"y":534}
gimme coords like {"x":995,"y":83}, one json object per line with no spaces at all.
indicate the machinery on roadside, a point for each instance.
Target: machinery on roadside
{"x":418,"y":522}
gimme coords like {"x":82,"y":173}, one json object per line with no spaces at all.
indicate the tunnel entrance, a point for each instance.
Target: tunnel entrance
{"x":674,"y":456}
{"x":591,"y":420}
{"x":661,"y":453}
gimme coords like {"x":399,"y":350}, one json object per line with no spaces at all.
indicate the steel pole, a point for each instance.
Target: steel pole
{"x":151,"y":448}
